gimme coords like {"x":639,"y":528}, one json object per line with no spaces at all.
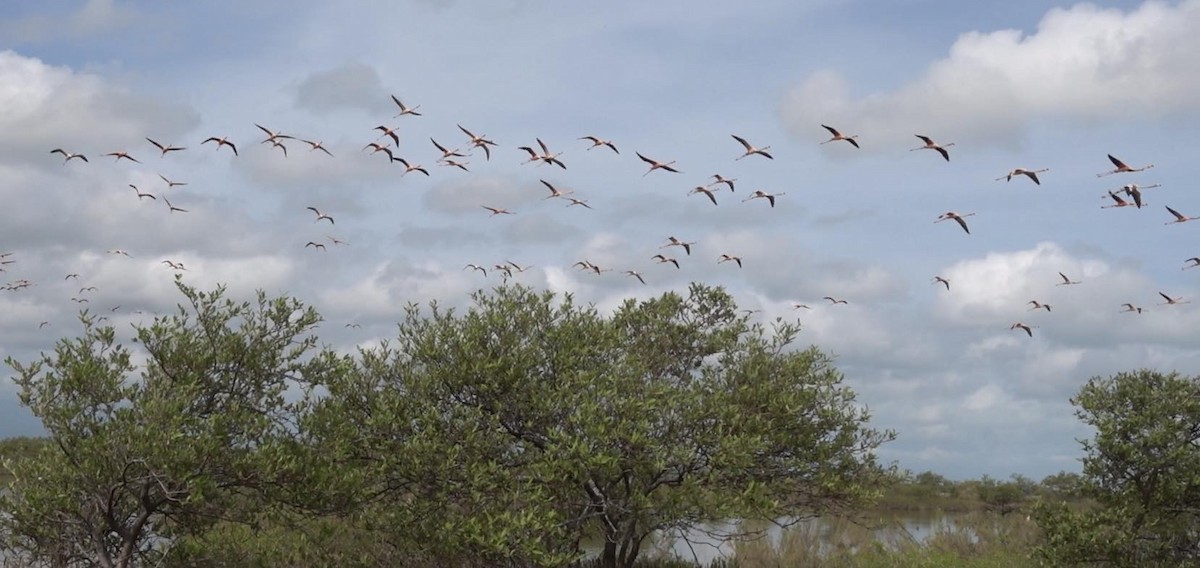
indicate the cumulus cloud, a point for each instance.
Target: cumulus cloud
{"x":43,"y":107}
{"x":93,"y":18}
{"x":1080,"y":63}
{"x":350,"y":86}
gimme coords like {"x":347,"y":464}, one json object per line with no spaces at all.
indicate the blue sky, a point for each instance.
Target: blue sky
{"x":1023,"y":84}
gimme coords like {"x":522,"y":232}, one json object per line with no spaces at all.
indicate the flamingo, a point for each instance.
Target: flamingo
{"x":800,"y":307}
{"x":479,"y":141}
{"x":411,"y":168}
{"x":318,"y":145}
{"x":1031,"y":174}
{"x":1195,"y":261}
{"x":320,"y":215}
{"x":498,"y":211}
{"x":172,"y":208}
{"x":931,"y":145}
{"x":724,"y":180}
{"x":1135,"y":191}
{"x":770,"y":197}
{"x":271,"y":135}
{"x":554,"y":191}
{"x":1028,"y":329}
{"x":1038,"y":305}
{"x":220,"y":142}
{"x":727,"y":258}
{"x":957,"y":217}
{"x":122,"y":154}
{"x":1117,"y":202}
{"x":1122,"y":167}
{"x":1131,"y":308}
{"x":140,"y":194}
{"x":69,"y":155}
{"x":834,"y":301}
{"x":476,"y":267}
{"x":1173,"y":301}
{"x":657,"y":165}
{"x":166,"y":147}
{"x":545,"y":156}
{"x":937,"y":279}
{"x":705,"y":191}
{"x":1179,"y":217}
{"x":389,"y":132}
{"x":404,"y":109}
{"x":315,"y":245}
{"x":453,"y":164}
{"x":750,"y":149}
{"x":635,"y":274}
{"x":1066,"y":281}
{"x":597,"y":141}
{"x":377,"y":147}
{"x":663,"y":259}
{"x":839,"y":136}
{"x":674,"y":242}
{"x":574,"y":201}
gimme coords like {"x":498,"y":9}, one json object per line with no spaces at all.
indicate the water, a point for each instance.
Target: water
{"x":704,"y":544}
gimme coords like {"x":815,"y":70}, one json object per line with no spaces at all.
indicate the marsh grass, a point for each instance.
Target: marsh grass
{"x":971,"y":540}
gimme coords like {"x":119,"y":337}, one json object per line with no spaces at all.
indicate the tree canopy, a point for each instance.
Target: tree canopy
{"x":1143,"y":469}
{"x":504,"y":434}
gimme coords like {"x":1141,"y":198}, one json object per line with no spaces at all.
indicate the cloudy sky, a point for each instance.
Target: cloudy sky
{"x":1029,"y":84}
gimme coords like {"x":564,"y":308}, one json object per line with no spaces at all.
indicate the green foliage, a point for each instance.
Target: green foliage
{"x":143,"y":451}
{"x":501,"y":436}
{"x":1141,"y":468}
{"x":528,"y":421}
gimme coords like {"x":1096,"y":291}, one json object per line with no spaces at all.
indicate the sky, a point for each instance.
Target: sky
{"x":1023,"y":84}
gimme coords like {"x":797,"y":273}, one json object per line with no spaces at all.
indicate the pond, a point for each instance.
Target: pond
{"x":705,"y":543}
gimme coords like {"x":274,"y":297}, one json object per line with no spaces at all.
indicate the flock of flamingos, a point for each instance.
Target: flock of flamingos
{"x":387,"y":146}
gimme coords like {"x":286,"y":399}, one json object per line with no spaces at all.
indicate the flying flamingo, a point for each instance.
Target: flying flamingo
{"x":724,"y":180}
{"x":1066,"y":281}
{"x":166,"y":147}
{"x":69,"y":155}
{"x":320,"y":215}
{"x":554,"y":191}
{"x":1122,"y":168}
{"x":635,"y":274}
{"x":121,"y":154}
{"x":657,"y":165}
{"x":1131,"y":308}
{"x":931,"y":145}
{"x":1117,"y":202}
{"x":497,"y":211}
{"x":1038,"y":305}
{"x":1173,"y":301}
{"x":839,"y":136}
{"x":220,"y":142}
{"x":1028,"y":329}
{"x":479,"y":141}
{"x":750,"y":149}
{"x":937,"y":279}
{"x":1179,"y":218}
{"x":705,"y":191}
{"x":770,"y":197}
{"x":411,"y":168}
{"x":727,"y":258}
{"x":674,"y":242}
{"x":1031,"y":174}
{"x":404,"y":109}
{"x":1195,"y":261}
{"x":834,"y":301}
{"x":957,"y":217}
{"x":663,"y":259}
{"x":597,"y":141}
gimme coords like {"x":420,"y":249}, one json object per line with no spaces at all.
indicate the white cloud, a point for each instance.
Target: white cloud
{"x":93,"y":18}
{"x":1081,"y":63}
